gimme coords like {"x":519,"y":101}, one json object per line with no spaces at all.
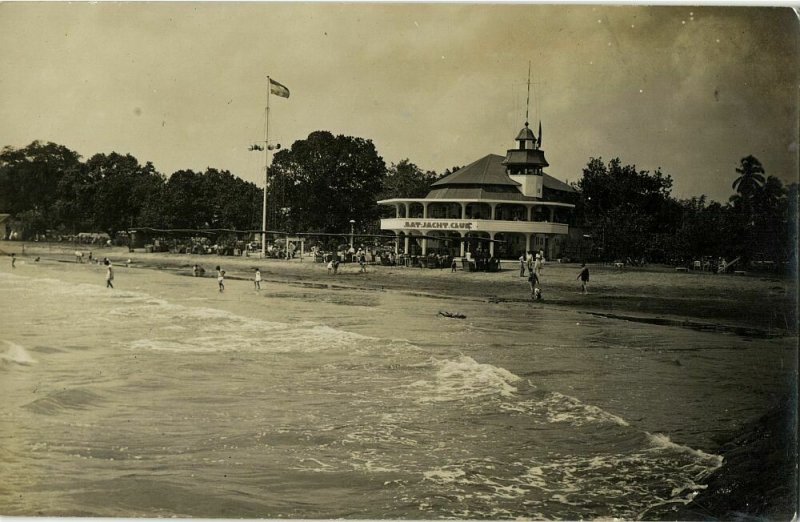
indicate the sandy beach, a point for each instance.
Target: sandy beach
{"x":757,"y":304}
{"x":183,"y":401}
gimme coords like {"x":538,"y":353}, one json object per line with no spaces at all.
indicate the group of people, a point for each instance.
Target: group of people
{"x":534,"y":265}
{"x":105,"y":262}
{"x":360,"y":256}
{"x":333,"y":265}
{"x":92,"y":259}
{"x":198,"y":271}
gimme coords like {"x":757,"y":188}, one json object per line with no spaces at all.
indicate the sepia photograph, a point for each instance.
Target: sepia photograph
{"x":399,"y":261}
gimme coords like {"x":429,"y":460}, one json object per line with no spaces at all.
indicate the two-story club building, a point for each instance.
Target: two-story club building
{"x":507,"y":200}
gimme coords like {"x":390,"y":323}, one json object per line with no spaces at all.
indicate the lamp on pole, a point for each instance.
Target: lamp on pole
{"x":352,"y":222}
{"x":257,"y":147}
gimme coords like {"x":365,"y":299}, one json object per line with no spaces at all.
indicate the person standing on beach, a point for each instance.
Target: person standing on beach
{"x":584,"y":277}
{"x":533,"y":281}
{"x":522,"y":265}
{"x":529,"y":261}
{"x":537,"y":265}
{"x":109,"y":274}
{"x":13,"y":260}
{"x":221,"y":279}
{"x":257,"y":279}
{"x":362,"y":261}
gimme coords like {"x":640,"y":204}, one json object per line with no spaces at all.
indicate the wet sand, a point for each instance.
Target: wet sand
{"x":759,"y":475}
{"x":753,"y":304}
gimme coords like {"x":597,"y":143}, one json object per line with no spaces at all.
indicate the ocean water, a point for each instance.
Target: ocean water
{"x":165,"y":398}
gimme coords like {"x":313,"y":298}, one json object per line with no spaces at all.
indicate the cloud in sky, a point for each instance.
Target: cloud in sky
{"x":688,"y":89}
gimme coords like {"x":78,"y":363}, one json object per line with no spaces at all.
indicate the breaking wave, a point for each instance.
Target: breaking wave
{"x":16,"y":354}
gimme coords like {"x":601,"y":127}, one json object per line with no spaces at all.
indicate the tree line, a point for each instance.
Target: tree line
{"x":323,"y":182}
{"x":631,"y":213}
{"x":50,"y":191}
{"x":318,"y":185}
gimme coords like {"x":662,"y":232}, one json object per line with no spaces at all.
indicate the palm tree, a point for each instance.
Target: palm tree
{"x":750,"y":177}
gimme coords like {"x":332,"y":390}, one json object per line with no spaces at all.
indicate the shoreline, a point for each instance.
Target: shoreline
{"x":752,"y":305}
{"x":758,"y":478}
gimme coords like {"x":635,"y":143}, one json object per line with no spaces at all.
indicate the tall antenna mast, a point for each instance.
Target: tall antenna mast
{"x":528,"y":101}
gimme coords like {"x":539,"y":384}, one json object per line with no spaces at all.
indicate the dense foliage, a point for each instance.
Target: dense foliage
{"x":50,"y":191}
{"x":210,"y":199}
{"x":324,"y":181}
{"x":628,"y":210}
{"x":405,"y":180}
{"x":630,"y":214}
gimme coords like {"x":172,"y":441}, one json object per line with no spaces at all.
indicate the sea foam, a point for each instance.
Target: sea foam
{"x":660,"y":441}
{"x":16,"y":354}
{"x":465,"y":378}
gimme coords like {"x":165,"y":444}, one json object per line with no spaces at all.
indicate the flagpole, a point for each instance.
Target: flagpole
{"x":266,"y":177}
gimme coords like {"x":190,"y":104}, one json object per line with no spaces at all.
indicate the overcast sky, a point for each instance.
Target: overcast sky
{"x":689,"y":89}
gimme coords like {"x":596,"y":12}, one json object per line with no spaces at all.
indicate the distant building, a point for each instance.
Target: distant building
{"x":509,"y":201}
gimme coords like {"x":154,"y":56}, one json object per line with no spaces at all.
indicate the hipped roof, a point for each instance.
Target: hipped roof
{"x":472,"y":192}
{"x":482,"y":176}
{"x":486,"y":171}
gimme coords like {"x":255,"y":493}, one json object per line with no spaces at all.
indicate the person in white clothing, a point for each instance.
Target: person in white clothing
{"x":221,"y":279}
{"x":109,"y":274}
{"x":257,"y":279}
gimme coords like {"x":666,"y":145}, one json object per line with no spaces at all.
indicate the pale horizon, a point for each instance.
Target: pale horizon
{"x":689,"y":89}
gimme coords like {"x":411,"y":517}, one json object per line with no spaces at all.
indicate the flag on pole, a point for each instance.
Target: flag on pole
{"x":278,"y":89}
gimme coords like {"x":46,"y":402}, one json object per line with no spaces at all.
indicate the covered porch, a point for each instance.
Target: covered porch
{"x":492,"y":210}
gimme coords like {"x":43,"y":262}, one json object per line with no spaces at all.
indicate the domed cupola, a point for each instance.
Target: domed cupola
{"x":526,"y":138}
{"x":528,"y":157}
